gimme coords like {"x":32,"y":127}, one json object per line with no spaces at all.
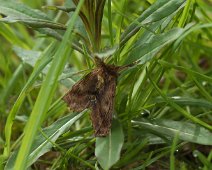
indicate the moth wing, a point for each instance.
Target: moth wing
{"x":102,"y":112}
{"x":78,"y":102}
{"x":82,"y":93}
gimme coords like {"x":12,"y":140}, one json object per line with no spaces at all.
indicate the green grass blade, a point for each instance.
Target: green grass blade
{"x":147,"y":51}
{"x":158,"y":11}
{"x":185,"y":13}
{"x":180,"y":109}
{"x":6,"y":92}
{"x":21,"y":97}
{"x":173,"y":148}
{"x":110,"y":22}
{"x":45,"y":95}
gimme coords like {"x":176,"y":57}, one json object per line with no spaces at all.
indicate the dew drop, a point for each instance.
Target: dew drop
{"x":195,"y":153}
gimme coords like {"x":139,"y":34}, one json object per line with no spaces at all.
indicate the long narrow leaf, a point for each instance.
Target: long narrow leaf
{"x":186,"y":131}
{"x":45,"y":95}
{"x":43,"y":61}
{"x":159,"y":10}
{"x":145,"y":52}
{"x":17,"y":12}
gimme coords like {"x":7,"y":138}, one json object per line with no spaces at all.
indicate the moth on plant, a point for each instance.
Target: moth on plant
{"x":96,"y":91}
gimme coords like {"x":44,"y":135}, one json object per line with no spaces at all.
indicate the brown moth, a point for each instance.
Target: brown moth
{"x":96,"y":91}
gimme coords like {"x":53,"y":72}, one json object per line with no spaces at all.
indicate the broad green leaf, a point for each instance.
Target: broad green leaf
{"x":27,"y":56}
{"x":148,"y":35}
{"x":186,"y":101}
{"x":17,"y":12}
{"x":41,"y":145}
{"x":15,"y":9}
{"x":30,"y":57}
{"x":159,"y":10}
{"x":145,"y":52}
{"x":108,"y":148}
{"x":187,"y":131}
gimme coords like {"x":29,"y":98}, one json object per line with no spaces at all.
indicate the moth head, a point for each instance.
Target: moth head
{"x":98,"y":61}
